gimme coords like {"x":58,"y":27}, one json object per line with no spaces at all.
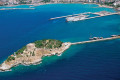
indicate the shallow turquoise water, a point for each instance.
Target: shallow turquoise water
{"x":95,"y":61}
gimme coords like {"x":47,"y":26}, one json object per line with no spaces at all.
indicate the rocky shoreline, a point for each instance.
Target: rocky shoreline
{"x":27,"y":57}
{"x":33,"y":53}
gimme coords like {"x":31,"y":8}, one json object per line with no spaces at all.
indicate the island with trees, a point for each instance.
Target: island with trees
{"x":32,"y":53}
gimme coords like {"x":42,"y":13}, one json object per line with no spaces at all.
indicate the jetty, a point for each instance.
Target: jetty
{"x":17,"y":8}
{"x":85,"y":16}
{"x":97,"y":40}
{"x":33,"y":55}
{"x":70,"y":15}
{"x":99,"y":14}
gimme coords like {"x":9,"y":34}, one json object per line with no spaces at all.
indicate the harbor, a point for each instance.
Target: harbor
{"x":85,"y":16}
{"x":97,"y":39}
{"x":69,"y":15}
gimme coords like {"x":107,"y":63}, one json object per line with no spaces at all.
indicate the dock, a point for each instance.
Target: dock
{"x":17,"y":8}
{"x":98,"y":14}
{"x":70,"y":15}
{"x":77,"y":17}
{"x":101,"y":16}
{"x":91,"y":41}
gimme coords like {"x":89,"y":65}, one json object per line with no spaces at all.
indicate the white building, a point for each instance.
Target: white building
{"x":117,"y":3}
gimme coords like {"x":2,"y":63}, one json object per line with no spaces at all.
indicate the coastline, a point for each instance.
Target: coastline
{"x":33,"y":5}
{"x":37,"y":59}
{"x":17,"y":9}
{"x":78,"y":59}
{"x":5,"y":67}
{"x":60,"y":54}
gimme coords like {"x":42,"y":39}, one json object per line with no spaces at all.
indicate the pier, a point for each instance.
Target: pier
{"x":100,"y":16}
{"x":91,"y":41}
{"x":17,"y":8}
{"x":69,"y":15}
{"x":77,"y":17}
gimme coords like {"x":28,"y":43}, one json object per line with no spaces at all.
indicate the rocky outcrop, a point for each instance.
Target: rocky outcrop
{"x":31,"y":55}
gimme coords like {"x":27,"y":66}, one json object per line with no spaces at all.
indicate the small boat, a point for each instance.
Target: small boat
{"x":113,"y":35}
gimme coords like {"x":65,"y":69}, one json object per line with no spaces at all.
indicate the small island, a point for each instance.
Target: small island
{"x":32,"y":53}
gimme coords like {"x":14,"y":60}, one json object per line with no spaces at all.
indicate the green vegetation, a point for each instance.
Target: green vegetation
{"x":27,"y":55}
{"x":1,"y":4}
{"x":117,"y":6}
{"x":20,"y":50}
{"x":109,"y":3}
{"x":33,"y":54}
{"x":24,"y":2}
{"x":10,"y":58}
{"x":19,"y":55}
{"x":46,"y":1}
{"x":48,"y":43}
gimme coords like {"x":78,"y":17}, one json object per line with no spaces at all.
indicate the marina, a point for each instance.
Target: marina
{"x":69,"y":15}
{"x":77,"y":18}
{"x":85,"y":16}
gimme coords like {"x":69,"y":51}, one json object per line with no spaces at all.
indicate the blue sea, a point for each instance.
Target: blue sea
{"x":93,"y":61}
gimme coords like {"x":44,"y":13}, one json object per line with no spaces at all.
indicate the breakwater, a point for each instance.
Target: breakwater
{"x":77,"y":17}
{"x":17,"y":8}
{"x":90,"y":41}
{"x":69,"y":15}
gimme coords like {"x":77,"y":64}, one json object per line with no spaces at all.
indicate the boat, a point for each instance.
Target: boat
{"x":113,"y":35}
{"x":95,"y":38}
